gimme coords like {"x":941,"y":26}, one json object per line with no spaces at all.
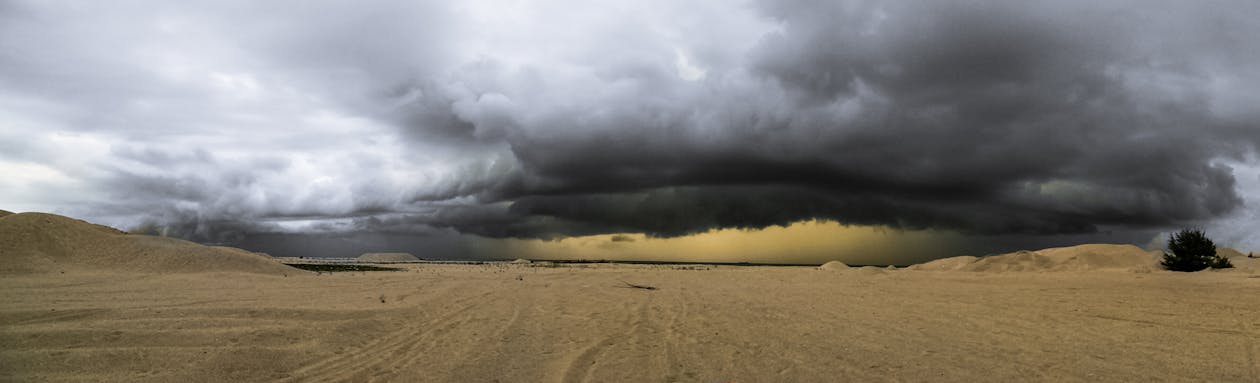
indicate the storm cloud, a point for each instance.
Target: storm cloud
{"x":228,"y":122}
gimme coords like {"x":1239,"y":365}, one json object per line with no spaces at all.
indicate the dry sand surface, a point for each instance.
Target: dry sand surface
{"x":583,"y":323}
{"x":46,"y":243}
{"x":479,"y":323}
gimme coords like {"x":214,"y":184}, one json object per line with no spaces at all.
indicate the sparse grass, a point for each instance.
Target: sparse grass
{"x":328,"y":268}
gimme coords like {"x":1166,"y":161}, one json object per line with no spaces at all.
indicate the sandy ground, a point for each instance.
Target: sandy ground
{"x":517,"y":323}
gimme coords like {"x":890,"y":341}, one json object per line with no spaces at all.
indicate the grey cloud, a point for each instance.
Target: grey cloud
{"x":1009,"y":119}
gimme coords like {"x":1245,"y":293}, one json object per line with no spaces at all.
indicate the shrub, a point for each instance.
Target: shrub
{"x":1192,"y":250}
{"x":1221,"y":263}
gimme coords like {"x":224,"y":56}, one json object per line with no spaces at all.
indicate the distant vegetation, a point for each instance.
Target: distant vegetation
{"x":329,"y":268}
{"x":1192,"y":250}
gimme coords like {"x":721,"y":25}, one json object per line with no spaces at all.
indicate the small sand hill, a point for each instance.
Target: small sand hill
{"x":4,"y":213}
{"x":1074,"y":258}
{"x":946,"y":264}
{"x":45,"y":243}
{"x":1229,"y":253}
{"x":387,"y":257}
{"x":834,"y":265}
{"x":1240,"y":260}
{"x":520,"y":261}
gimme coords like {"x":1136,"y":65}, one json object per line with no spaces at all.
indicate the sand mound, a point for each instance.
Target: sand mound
{"x":945,"y":264}
{"x":1244,"y":264}
{"x":834,"y":265}
{"x":1229,"y":253}
{"x":4,"y":213}
{"x":1240,"y":260}
{"x":387,"y":257}
{"x":1074,"y":258}
{"x":519,"y":261}
{"x":41,"y":243}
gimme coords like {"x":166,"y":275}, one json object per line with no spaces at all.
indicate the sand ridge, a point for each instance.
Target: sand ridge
{"x":1229,"y":253}
{"x":49,"y":243}
{"x":1090,"y":257}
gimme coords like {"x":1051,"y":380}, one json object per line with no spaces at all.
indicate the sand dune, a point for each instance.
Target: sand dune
{"x":387,"y":257}
{"x":1229,"y":253}
{"x":1075,"y":258}
{"x":4,"y":213}
{"x":48,"y":243}
{"x":1241,"y":261}
{"x":834,"y":265}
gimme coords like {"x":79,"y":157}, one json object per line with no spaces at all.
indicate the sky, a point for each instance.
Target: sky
{"x":713,"y":130}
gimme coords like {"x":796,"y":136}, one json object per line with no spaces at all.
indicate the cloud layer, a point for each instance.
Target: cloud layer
{"x":226,"y":121}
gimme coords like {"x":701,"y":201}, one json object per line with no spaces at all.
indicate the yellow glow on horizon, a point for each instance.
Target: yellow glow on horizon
{"x":806,"y":242}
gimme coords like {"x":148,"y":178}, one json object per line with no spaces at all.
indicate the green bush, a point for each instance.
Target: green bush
{"x":1192,"y":250}
{"x":1221,"y":263}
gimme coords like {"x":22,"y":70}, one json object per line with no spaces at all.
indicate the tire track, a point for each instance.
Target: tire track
{"x":425,"y":338}
{"x":581,"y":368}
{"x":44,"y":317}
{"x":1249,"y":344}
{"x":322,"y":369}
{"x":674,"y":334}
{"x":395,"y":344}
{"x":491,"y":348}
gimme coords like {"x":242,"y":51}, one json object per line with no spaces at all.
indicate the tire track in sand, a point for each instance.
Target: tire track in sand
{"x":674,"y":334}
{"x":432,"y":333}
{"x":581,"y":368}
{"x":1253,"y":370}
{"x":385,"y":349}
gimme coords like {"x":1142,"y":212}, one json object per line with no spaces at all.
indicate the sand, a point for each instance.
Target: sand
{"x":1091,"y":257}
{"x":479,"y":323}
{"x":581,"y":323}
{"x":1229,"y":253}
{"x":833,"y":265}
{"x":387,"y":257}
{"x":47,"y":243}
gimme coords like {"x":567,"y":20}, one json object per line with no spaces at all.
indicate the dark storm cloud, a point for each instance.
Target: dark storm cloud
{"x":961,"y":115}
{"x":667,"y":119}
